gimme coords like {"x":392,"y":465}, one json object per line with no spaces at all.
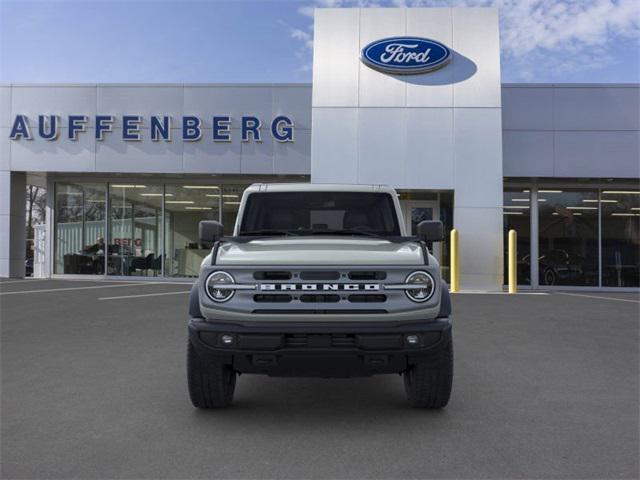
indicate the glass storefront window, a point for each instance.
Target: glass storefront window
{"x":79,"y":228}
{"x":185,"y":207}
{"x":568,"y":237}
{"x":517,"y":216}
{"x":572,"y":223}
{"x":135,"y":215}
{"x":620,"y":238}
{"x":231,"y":195}
{"x":95,"y":199}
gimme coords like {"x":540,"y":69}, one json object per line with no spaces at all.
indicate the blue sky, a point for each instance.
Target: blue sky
{"x":271,"y":41}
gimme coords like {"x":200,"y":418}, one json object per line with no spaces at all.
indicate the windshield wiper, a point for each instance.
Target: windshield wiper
{"x":347,"y":231}
{"x":268,"y":231}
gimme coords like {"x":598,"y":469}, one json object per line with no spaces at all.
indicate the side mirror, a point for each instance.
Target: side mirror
{"x":209,"y":231}
{"x":431,"y":231}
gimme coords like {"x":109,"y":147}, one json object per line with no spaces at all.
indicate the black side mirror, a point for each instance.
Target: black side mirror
{"x":431,"y":231}
{"x":209,"y":231}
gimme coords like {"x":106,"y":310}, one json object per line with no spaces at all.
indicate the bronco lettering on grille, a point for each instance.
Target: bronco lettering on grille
{"x":319,"y":286}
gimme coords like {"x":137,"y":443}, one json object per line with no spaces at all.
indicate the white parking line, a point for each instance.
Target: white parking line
{"x":483,"y":292}
{"x":25,"y":280}
{"x":123,"y":297}
{"x":48,"y":290}
{"x":70,"y":280}
{"x":599,"y":297}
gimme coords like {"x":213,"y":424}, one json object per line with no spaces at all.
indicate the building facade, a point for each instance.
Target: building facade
{"x":130,"y":169}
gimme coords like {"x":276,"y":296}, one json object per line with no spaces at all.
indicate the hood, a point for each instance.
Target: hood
{"x":320,"y":251}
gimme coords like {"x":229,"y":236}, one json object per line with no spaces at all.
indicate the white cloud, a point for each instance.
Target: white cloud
{"x":532,"y":24}
{"x":305,"y":37}
{"x":579,"y":33}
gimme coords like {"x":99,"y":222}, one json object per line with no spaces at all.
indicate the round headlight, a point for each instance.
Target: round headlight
{"x":425,"y":286}
{"x":218,"y":294}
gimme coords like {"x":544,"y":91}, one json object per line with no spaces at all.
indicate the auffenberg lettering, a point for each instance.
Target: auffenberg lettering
{"x":218,"y":128}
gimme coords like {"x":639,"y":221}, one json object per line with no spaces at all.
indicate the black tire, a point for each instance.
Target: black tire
{"x":549,"y":277}
{"x":211,"y":384}
{"x":428,"y":384}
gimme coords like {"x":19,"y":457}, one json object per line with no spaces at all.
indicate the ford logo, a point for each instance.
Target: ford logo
{"x":405,"y":55}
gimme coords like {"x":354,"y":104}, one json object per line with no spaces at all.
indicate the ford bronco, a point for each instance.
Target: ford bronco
{"x":320,"y":280}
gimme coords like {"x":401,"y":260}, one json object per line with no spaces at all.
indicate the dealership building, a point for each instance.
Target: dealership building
{"x":130,"y":169}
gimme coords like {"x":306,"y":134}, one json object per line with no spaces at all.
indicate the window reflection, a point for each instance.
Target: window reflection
{"x":517,"y":216}
{"x":185,"y":207}
{"x":134,"y":229}
{"x":568,"y":237}
{"x":79,"y":228}
{"x":620,"y":238}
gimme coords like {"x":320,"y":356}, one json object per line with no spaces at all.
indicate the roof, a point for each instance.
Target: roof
{"x":318,"y":187}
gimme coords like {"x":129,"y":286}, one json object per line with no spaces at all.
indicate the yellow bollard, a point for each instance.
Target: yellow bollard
{"x":455,"y":262}
{"x":513,"y":265}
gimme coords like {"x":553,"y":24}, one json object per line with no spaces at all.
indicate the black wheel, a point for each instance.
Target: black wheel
{"x":550,"y":277}
{"x":428,"y":384}
{"x":211,"y":384}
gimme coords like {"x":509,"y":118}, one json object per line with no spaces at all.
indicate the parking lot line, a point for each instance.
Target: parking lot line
{"x":487,"y":292}
{"x":25,"y":280}
{"x":123,"y":297}
{"x":599,"y":297}
{"x":48,"y":290}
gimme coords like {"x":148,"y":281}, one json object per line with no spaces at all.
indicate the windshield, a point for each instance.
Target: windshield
{"x":317,"y":213}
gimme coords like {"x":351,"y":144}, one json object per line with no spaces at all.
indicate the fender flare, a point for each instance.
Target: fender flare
{"x":445,"y":302}
{"x":194,"y":302}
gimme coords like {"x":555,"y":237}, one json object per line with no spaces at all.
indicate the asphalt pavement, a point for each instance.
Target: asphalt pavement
{"x":94,"y":386}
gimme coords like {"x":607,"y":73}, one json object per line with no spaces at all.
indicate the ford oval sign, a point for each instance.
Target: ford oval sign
{"x":405,"y":55}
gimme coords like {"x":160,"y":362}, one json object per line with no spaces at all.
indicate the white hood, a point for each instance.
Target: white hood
{"x":320,"y":251}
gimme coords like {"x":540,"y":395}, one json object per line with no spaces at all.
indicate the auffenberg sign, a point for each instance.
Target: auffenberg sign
{"x":49,"y":127}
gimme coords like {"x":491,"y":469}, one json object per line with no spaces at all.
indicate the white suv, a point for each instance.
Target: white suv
{"x":320,"y":280}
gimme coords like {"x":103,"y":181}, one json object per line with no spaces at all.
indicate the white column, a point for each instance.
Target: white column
{"x":12,"y":224}
{"x":477,"y":213}
{"x":534,"y":254}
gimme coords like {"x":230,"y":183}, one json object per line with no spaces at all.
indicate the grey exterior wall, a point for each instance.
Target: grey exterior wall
{"x":560,"y":130}
{"x":145,"y":156}
{"x":548,"y":130}
{"x":439,"y":130}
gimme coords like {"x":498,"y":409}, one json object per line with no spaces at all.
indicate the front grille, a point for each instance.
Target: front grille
{"x":319,"y":298}
{"x":367,"y":275}
{"x":319,"y":275}
{"x":320,"y":341}
{"x":319,"y":311}
{"x":268,"y":298}
{"x":272,"y":275}
{"x":343,"y":340}
{"x":295,"y":341}
{"x":361,"y":298}
{"x":310,"y":290}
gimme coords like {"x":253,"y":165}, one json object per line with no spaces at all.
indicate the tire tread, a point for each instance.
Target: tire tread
{"x":212,"y":384}
{"x":428,"y":384}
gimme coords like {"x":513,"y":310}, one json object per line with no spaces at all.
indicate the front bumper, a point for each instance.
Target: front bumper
{"x":320,"y":349}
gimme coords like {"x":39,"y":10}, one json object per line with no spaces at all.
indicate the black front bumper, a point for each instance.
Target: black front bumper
{"x":319,"y":349}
